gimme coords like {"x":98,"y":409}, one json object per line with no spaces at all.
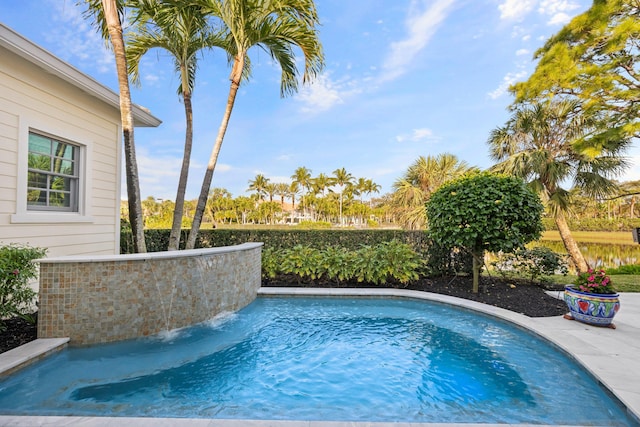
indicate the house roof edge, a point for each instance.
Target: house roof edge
{"x":45,"y":60}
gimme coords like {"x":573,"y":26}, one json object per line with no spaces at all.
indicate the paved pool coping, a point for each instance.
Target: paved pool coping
{"x":19,"y":357}
{"x":610,"y":355}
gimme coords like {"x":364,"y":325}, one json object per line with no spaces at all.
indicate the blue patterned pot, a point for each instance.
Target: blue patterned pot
{"x":594,"y":309}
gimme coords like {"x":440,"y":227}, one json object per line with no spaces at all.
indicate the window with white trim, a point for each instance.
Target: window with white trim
{"x":53,"y":174}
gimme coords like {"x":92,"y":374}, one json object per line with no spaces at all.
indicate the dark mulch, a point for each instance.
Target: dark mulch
{"x":520,"y":296}
{"x":16,"y":332}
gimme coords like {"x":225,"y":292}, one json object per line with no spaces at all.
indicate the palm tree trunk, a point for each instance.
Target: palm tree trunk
{"x":236,"y":74}
{"x":126,"y":116}
{"x":570,"y":244}
{"x":176,"y":225}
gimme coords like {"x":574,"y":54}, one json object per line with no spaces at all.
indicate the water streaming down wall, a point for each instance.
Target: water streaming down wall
{"x":96,"y":299}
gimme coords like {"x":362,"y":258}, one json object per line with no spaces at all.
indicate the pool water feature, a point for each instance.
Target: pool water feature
{"x":349,"y":359}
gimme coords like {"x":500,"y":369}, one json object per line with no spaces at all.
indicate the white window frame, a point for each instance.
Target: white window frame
{"x":62,"y":133}
{"x":74,"y":177}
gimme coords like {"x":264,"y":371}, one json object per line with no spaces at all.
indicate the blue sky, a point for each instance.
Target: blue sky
{"x":403,"y":78}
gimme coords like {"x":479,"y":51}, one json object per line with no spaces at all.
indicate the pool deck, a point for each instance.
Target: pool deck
{"x":611,"y":355}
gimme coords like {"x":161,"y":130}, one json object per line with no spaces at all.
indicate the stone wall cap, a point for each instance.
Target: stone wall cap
{"x":150,"y":255}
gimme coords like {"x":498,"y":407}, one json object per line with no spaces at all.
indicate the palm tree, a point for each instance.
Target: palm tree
{"x":294,"y":190}
{"x":106,"y":16}
{"x":540,"y":144}
{"x":278,"y":27}
{"x":259,"y":185}
{"x":371,"y":187}
{"x":271,"y":190}
{"x":365,"y":185}
{"x":282,"y":190}
{"x":361,"y":188}
{"x":302,"y":177}
{"x":422,"y":178}
{"x":182,"y":30}
{"x":321,"y":183}
{"x":342,"y":179}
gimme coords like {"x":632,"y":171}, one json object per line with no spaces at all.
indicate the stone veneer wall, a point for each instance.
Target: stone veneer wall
{"x":94,"y":299}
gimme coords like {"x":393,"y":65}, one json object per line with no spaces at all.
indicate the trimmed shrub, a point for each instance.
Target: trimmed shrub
{"x":534,"y":263}
{"x":388,"y":262}
{"x":16,"y":270}
{"x":484,"y":212}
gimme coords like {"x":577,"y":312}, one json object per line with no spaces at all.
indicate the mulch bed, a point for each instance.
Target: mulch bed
{"x":520,"y":296}
{"x":16,"y":332}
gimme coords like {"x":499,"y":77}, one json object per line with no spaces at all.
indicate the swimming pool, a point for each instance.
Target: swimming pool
{"x":322,"y":359}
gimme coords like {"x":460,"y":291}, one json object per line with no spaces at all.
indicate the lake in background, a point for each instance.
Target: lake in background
{"x":600,"y":255}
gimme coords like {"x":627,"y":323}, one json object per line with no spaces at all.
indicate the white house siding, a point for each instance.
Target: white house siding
{"x":32,"y":99}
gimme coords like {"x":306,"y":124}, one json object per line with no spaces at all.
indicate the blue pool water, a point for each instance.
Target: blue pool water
{"x":322,"y":359}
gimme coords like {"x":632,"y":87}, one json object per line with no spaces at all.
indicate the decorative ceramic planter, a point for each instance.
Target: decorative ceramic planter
{"x":594,"y":309}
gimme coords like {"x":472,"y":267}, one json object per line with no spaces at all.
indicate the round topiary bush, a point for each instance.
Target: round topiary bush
{"x":484,"y":212}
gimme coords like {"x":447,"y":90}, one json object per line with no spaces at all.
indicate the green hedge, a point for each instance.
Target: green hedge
{"x":158,"y":240}
{"x":596,"y":224}
{"x":439,"y":260}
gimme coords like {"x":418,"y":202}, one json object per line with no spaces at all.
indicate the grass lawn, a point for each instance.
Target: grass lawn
{"x":621,"y":282}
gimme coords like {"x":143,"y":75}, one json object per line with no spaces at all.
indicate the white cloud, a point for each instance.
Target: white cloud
{"x":76,"y":40}
{"x":417,"y":135}
{"x":325,"y":93}
{"x":526,"y":37}
{"x":151,"y":79}
{"x":557,"y":10}
{"x":321,"y":95}
{"x":521,"y":52}
{"x":515,"y":9}
{"x":507,"y":81}
{"x":423,"y":20}
{"x":559,"y":19}
{"x":160,"y":171}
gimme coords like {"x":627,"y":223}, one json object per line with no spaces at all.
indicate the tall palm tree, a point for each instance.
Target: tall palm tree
{"x":422,"y":178}
{"x":361,"y":188}
{"x":282,"y":190}
{"x":371,"y":187}
{"x":105,"y":14}
{"x":279,"y":27}
{"x":271,"y":190}
{"x":294,"y":190}
{"x":259,"y":185}
{"x":365,"y":186}
{"x":302,"y":177}
{"x":540,"y":144}
{"x":321,"y":183}
{"x":182,"y":30}
{"x":342,"y":179}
